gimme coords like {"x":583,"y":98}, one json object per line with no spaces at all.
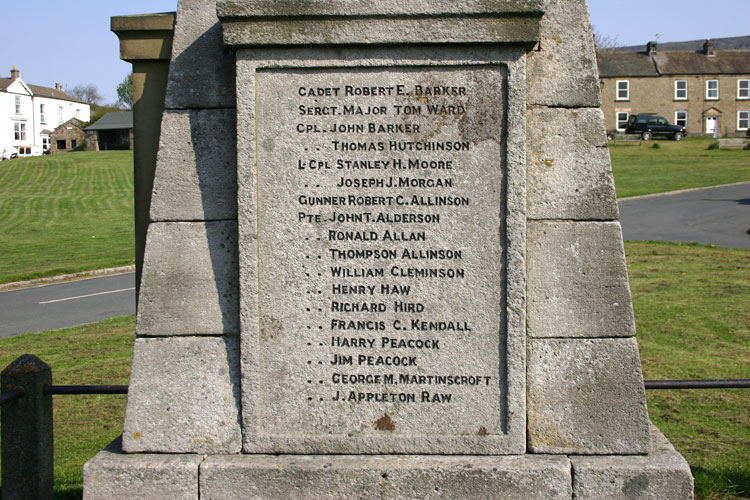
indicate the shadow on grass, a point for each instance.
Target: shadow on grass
{"x":720,"y":484}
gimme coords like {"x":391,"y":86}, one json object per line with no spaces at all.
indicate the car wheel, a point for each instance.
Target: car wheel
{"x":677,"y":136}
{"x":646,"y":136}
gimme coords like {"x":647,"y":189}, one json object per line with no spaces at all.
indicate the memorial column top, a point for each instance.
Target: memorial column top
{"x":248,"y":23}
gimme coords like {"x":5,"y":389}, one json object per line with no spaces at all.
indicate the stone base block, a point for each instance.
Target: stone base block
{"x":114,"y":475}
{"x":386,"y":477}
{"x":663,"y":474}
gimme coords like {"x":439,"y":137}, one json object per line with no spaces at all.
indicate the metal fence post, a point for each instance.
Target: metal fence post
{"x":27,"y":469}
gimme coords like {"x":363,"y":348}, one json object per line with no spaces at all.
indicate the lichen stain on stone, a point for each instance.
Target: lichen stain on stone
{"x":482,"y":431}
{"x":635,"y":486}
{"x":28,"y":368}
{"x":137,"y":435}
{"x":385,"y":423}
{"x":270,"y":327}
{"x":549,"y":163}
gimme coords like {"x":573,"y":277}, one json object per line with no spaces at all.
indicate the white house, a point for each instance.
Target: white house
{"x":29,"y":114}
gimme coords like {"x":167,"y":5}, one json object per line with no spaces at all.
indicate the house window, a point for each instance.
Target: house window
{"x":42,"y":119}
{"x":622,"y":120}
{"x":680,"y":90}
{"x":743,"y":89}
{"x":743,"y":120}
{"x":61,"y":144}
{"x":19,"y":131}
{"x":18,"y":105}
{"x":60,"y":115}
{"x":623,"y":90}
{"x":680,"y":118}
{"x":712,"y":89}
{"x":78,"y":113}
{"x":45,"y":143}
{"x":73,"y":143}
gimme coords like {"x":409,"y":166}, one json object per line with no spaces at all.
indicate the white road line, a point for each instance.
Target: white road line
{"x":89,"y":295}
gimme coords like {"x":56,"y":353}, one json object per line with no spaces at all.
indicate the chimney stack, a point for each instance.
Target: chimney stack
{"x":651,"y":48}
{"x":708,"y":48}
{"x":15,"y":74}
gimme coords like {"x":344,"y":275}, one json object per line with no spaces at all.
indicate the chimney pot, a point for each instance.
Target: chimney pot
{"x":15,"y":74}
{"x":708,"y":48}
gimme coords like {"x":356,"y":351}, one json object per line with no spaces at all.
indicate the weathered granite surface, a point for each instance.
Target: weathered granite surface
{"x":114,"y":475}
{"x":563,"y":71}
{"x":586,"y":397}
{"x":189,"y":284}
{"x":578,"y":281}
{"x":663,"y":474}
{"x":197,"y":165}
{"x":201,"y":74}
{"x":393,"y":477}
{"x":184,"y":396}
{"x":568,"y":168}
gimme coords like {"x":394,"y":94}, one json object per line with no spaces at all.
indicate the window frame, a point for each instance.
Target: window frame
{"x":677,"y":120}
{"x":746,"y":81}
{"x":19,"y":131}
{"x":677,"y":90}
{"x":618,"y":121}
{"x":18,"y":104}
{"x":627,"y":90}
{"x":709,"y":89}
{"x":42,"y":117}
{"x":60,"y":114}
{"x":740,"y":119}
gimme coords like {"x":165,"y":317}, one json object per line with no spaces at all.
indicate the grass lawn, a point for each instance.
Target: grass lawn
{"x":66,"y":212}
{"x":675,"y":165}
{"x":692,"y":307}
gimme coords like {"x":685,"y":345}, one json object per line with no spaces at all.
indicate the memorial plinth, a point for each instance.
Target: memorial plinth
{"x":384,"y":262}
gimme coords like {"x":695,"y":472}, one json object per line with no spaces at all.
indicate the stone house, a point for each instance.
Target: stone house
{"x":706,"y":90}
{"x":67,"y":136}
{"x":112,"y":131}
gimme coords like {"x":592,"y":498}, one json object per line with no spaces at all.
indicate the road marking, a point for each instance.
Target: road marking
{"x":89,"y":295}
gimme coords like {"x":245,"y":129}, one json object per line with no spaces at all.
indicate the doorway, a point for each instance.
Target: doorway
{"x":712,"y":125}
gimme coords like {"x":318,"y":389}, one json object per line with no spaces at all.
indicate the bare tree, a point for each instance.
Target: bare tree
{"x":87,"y":93}
{"x":605,"y":42}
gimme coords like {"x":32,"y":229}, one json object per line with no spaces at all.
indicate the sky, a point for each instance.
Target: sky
{"x":70,"y":42}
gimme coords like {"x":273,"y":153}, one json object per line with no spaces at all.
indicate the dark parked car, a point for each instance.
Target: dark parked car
{"x":650,"y":125}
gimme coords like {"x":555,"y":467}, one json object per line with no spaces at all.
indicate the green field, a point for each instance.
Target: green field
{"x":65,"y":213}
{"x":675,"y":165}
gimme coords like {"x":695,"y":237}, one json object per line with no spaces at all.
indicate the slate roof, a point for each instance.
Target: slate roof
{"x":673,"y":62}
{"x":625,"y":64}
{"x":42,"y":91}
{"x":113,"y":120}
{"x":729,"y":43}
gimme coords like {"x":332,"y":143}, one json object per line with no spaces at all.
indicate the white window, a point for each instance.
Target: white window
{"x":712,"y":89}
{"x":42,"y":119}
{"x":18,"y":105}
{"x":19,"y":131}
{"x":60,"y":115}
{"x":743,"y":120}
{"x":680,"y":90}
{"x":680,"y":118}
{"x":622,"y":120}
{"x":623,"y":90}
{"x":78,"y":113}
{"x":743,"y":89}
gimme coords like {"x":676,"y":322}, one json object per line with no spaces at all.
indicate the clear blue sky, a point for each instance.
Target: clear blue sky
{"x":70,"y":42}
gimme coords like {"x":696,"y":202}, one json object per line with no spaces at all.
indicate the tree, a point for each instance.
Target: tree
{"x":87,"y":93}
{"x":125,"y":92}
{"x":605,"y":42}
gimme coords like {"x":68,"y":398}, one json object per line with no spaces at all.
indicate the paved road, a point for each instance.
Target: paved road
{"x":719,"y":216}
{"x":67,"y":304}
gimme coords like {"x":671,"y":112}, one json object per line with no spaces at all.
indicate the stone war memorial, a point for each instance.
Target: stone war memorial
{"x":383,"y":260}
